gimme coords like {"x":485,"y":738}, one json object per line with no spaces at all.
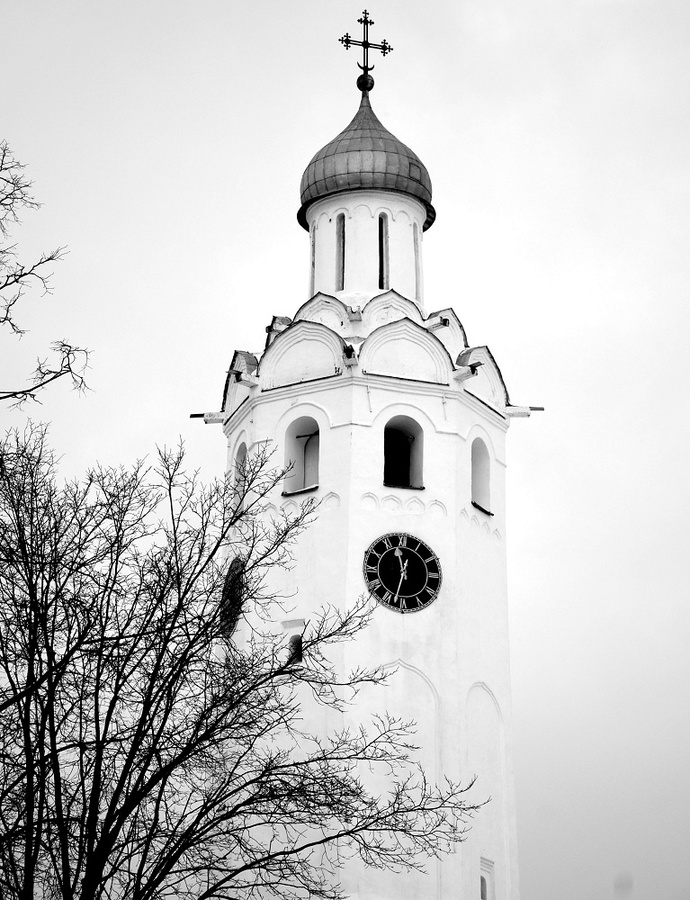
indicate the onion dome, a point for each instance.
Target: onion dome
{"x":363,"y":157}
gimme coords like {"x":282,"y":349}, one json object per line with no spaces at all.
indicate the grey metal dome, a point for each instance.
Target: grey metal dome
{"x":365,"y":156}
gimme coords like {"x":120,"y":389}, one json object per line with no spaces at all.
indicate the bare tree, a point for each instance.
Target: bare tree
{"x":16,"y":278}
{"x":145,"y":749}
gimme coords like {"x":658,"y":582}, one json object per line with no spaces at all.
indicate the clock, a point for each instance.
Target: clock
{"x":402,"y":572}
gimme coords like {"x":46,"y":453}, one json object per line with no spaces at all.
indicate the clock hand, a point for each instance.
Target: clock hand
{"x":398,"y":553}
{"x":403,"y":576}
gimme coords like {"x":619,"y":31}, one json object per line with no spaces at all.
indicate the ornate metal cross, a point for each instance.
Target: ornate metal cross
{"x":365,"y":43}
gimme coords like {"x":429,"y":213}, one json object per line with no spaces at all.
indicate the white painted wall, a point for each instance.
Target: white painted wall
{"x":452,"y":657}
{"x":361,"y":210}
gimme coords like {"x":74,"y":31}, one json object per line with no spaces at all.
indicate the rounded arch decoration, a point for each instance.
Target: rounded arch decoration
{"x":404,"y":349}
{"x":303,"y":352}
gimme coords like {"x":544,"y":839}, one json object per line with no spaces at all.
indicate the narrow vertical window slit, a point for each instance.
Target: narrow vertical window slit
{"x":384,"y":277}
{"x":417,"y":263}
{"x":312,"y":276}
{"x":340,"y":252}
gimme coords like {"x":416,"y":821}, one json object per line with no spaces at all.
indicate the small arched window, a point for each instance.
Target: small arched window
{"x":486,"y":880}
{"x":481,"y":497}
{"x":403,"y":453}
{"x":384,"y":265}
{"x":295,"y":630}
{"x":232,"y":598}
{"x":239,"y":475}
{"x":340,"y":252}
{"x":240,"y":463}
{"x":302,"y":455}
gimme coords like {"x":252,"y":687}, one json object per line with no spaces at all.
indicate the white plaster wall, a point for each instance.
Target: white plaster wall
{"x":461,"y":639}
{"x":361,"y":210}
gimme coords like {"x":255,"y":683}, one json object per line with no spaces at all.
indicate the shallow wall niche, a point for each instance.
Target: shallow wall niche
{"x":409,"y":696}
{"x":486,"y":759}
{"x":302,"y":441}
{"x":403,"y":453}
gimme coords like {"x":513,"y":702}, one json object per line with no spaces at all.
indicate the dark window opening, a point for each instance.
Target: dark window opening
{"x":384,"y":278}
{"x":295,"y":649}
{"x":483,"y":895}
{"x":403,"y":442}
{"x":232,"y":598}
{"x":241,"y":466}
{"x":397,"y":450}
{"x":312,"y":276}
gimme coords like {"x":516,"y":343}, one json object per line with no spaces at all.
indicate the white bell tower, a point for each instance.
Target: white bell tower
{"x":398,"y":426}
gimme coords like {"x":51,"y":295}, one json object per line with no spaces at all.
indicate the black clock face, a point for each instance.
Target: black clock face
{"x":402,"y":572}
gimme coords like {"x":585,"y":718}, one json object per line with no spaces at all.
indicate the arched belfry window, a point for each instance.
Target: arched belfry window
{"x":384,"y":262}
{"x":240,"y":463}
{"x":239,"y":474}
{"x":340,"y":252}
{"x":481,"y":472}
{"x":302,"y":455}
{"x":403,"y":453}
{"x":232,"y":598}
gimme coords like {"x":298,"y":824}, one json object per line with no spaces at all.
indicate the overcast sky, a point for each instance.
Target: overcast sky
{"x":167,"y":140}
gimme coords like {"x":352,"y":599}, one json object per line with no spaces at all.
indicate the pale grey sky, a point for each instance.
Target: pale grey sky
{"x":167,"y":141}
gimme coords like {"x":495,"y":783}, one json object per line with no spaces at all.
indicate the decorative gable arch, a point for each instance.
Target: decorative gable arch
{"x":303,"y":352}
{"x":404,"y":349}
{"x":488,"y":383}
{"x":233,"y":393}
{"x":388,"y":307}
{"x":452,"y":335}
{"x":326,"y":310}
{"x":234,"y":390}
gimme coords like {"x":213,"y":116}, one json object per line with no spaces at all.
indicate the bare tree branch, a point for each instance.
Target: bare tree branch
{"x":144,"y":749}
{"x":17,"y":278}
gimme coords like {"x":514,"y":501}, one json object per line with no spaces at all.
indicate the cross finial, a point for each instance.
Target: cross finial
{"x":365,"y":82}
